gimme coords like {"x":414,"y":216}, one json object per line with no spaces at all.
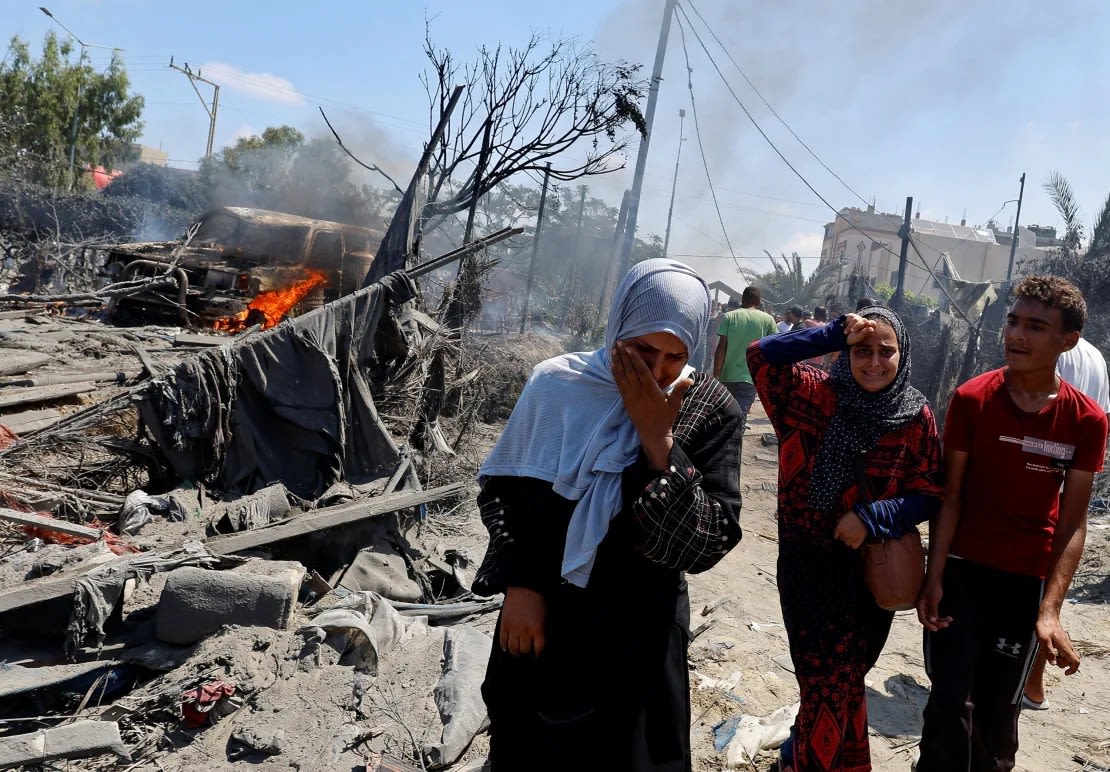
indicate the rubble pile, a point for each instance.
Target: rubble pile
{"x":222,"y":550}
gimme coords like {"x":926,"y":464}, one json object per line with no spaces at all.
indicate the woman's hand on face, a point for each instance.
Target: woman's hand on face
{"x":523,"y":618}
{"x":652,"y":410}
{"x":856,"y":328}
{"x":851,"y":530}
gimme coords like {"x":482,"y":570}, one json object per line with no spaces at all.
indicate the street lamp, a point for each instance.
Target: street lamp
{"x":80,"y":83}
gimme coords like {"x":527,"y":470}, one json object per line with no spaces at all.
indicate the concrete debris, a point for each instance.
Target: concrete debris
{"x":197,"y":602}
{"x":306,"y":624}
{"x":97,"y":593}
{"x":78,"y":740}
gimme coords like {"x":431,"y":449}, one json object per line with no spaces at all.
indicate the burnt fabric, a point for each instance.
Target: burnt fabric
{"x":834,"y":627}
{"x":290,"y":404}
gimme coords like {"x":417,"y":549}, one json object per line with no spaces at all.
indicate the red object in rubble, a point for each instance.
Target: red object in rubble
{"x":207,"y":704}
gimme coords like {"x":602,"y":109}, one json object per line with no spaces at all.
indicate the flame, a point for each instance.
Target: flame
{"x":271,"y":304}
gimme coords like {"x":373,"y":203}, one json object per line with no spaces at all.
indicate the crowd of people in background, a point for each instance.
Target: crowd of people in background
{"x":618,"y":473}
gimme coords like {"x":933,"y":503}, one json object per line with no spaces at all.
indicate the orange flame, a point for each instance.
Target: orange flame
{"x":273,"y":305}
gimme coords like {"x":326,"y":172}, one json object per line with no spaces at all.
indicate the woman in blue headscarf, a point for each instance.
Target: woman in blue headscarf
{"x":616,"y":473}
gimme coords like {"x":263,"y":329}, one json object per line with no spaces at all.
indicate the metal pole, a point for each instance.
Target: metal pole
{"x":674,"y":182}
{"x":1014,"y":239}
{"x":611,"y":268}
{"x":625,"y":253}
{"x":194,"y":77}
{"x":535,"y":248}
{"x":212,"y":121}
{"x":568,"y":285}
{"x":904,"y":232}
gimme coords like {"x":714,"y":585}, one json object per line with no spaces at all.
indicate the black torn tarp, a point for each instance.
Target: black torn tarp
{"x":292,"y":404}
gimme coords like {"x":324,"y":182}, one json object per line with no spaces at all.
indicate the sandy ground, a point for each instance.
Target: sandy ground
{"x":746,"y":636}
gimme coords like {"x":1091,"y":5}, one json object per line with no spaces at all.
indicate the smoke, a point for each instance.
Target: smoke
{"x":313,"y":177}
{"x":899,"y":99}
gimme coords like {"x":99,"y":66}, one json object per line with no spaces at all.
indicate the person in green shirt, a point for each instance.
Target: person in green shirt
{"x":737,"y":331}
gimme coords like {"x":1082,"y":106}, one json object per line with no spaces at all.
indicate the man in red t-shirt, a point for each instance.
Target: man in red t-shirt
{"x":1007,"y":539}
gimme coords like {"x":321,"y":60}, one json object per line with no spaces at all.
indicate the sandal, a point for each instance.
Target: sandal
{"x":1029,"y":704}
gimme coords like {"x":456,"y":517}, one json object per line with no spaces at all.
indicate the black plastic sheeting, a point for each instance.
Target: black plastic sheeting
{"x":291,"y":404}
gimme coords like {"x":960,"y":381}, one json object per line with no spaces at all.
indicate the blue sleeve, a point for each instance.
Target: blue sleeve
{"x":890,"y":518}
{"x":799,"y":345}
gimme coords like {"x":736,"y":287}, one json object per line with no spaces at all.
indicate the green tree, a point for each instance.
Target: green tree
{"x":39,"y":99}
{"x":1085,"y":264}
{"x":787,"y":283}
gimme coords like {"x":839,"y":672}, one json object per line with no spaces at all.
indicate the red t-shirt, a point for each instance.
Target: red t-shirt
{"x":1011,"y":491}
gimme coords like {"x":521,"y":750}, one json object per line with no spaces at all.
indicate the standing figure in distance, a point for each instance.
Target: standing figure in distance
{"x":737,"y":330}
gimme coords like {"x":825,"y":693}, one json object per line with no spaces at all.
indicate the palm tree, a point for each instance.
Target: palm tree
{"x":787,"y":284}
{"x":1088,"y":267}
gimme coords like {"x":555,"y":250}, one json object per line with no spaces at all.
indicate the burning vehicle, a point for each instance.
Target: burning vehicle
{"x":243,"y":267}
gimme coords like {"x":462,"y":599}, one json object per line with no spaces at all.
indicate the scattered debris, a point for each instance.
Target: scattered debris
{"x":78,"y":740}
{"x":753,"y":734}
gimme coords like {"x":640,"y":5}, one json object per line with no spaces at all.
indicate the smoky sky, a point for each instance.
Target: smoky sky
{"x":918,"y":98}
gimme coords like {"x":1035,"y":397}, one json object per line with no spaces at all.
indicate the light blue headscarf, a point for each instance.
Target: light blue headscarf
{"x":569,"y":426}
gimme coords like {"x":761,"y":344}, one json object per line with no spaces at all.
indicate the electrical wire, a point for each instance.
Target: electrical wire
{"x":701,"y":147}
{"x":797,"y":173}
{"x":768,"y":105}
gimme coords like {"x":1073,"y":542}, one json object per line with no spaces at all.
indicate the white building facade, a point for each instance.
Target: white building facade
{"x":865,"y":243}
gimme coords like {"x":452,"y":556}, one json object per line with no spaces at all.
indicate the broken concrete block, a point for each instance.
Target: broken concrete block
{"x":197,"y":602}
{"x":78,"y":740}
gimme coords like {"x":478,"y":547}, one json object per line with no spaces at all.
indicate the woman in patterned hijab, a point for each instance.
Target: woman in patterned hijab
{"x":862,"y":416}
{"x":859,"y":459}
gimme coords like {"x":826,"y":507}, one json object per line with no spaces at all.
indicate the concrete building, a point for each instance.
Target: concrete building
{"x":153,"y":155}
{"x":865,"y":243}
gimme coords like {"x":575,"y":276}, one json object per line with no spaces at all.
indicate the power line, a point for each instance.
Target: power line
{"x":800,"y":176}
{"x":701,"y":147}
{"x":768,"y":105}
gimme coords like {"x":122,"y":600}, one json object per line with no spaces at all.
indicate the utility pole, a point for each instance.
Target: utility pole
{"x":1014,"y":239}
{"x":535,"y":247}
{"x":211,"y":110}
{"x":904,"y":232}
{"x":568,"y":285}
{"x":611,"y":277}
{"x":625,"y":253}
{"x":674,"y":182}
